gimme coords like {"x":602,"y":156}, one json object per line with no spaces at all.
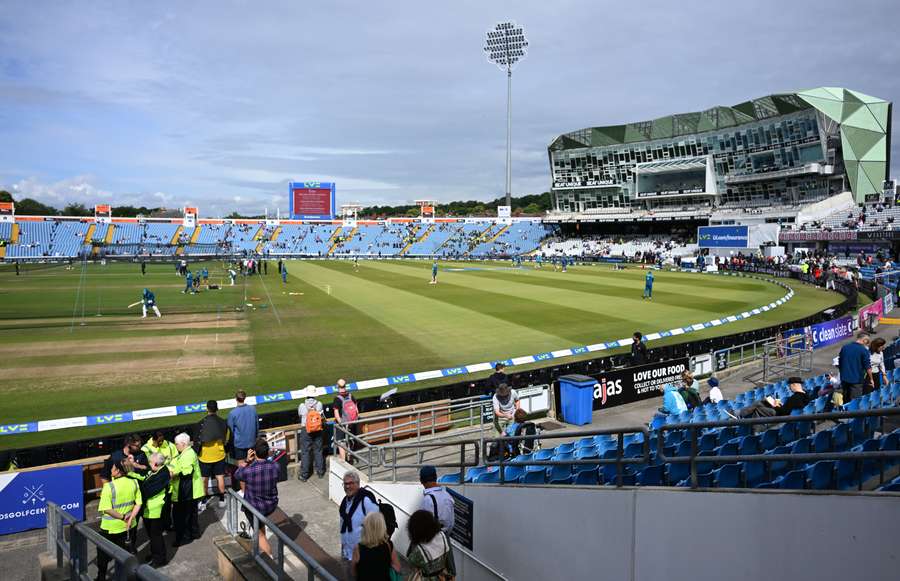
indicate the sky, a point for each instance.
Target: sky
{"x":219,"y":104}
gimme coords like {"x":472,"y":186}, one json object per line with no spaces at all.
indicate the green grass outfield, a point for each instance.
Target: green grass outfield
{"x":70,"y":346}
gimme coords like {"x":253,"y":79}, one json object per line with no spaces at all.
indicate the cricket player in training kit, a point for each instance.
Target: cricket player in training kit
{"x":148,"y":301}
{"x":648,"y":286}
{"x":434,"y":269}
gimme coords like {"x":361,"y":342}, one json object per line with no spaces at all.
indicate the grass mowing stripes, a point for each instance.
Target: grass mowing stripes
{"x":383,"y":320}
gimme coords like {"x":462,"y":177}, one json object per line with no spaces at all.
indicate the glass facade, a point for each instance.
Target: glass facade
{"x":786,"y":149}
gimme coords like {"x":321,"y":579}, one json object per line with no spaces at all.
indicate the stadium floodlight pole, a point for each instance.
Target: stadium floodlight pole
{"x":505,"y":45}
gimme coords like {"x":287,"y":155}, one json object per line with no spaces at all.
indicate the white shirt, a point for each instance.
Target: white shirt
{"x":876,"y":363}
{"x":351,"y":539}
{"x":444,"y":505}
{"x":715,"y":394}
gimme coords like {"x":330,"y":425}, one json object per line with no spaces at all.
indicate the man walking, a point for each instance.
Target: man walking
{"x":435,"y":498}
{"x":854,"y":363}
{"x":312,"y":422}
{"x":352,"y":510}
{"x":284,"y":274}
{"x":648,"y":286}
{"x":243,"y":423}
{"x":213,"y":433}
{"x":259,"y":479}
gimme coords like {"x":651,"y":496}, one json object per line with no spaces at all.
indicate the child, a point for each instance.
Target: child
{"x":512,"y":447}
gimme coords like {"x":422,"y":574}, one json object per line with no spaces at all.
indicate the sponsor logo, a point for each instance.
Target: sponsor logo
{"x":400,"y":379}
{"x":108,"y":419}
{"x":13,"y":428}
{"x":543,"y":356}
{"x":605,"y":389}
{"x":191,"y":408}
{"x":454,"y":371}
{"x":271,"y":397}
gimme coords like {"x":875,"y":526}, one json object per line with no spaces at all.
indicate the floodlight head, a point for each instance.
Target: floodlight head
{"x":506,"y":45}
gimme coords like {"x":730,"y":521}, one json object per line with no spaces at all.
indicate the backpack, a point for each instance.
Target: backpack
{"x":386,"y":510}
{"x":349,"y":411}
{"x":313,"y":420}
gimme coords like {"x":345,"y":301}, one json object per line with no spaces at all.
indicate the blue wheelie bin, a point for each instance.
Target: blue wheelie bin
{"x":576,"y":395}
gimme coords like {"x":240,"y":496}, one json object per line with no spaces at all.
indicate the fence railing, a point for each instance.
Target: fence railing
{"x":281,"y":541}
{"x":652,"y":450}
{"x":70,"y":540}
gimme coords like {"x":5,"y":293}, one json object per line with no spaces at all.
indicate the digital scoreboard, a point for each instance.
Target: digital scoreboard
{"x":311,"y":200}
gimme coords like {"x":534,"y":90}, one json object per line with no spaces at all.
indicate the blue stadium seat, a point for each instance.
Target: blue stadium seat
{"x":488,"y":477}
{"x":448,"y":479}
{"x":840,"y":438}
{"x":674,"y":438}
{"x":513,"y":473}
{"x":651,"y":476}
{"x":780,"y":467}
{"x":474,"y":472}
{"x":633,"y":450}
{"x":858,"y":430}
{"x":787,"y":433}
{"x":565,"y":448}
{"x":846,"y":474}
{"x":769,"y":439}
{"x":821,"y":475}
{"x":587,"y":477}
{"x":708,"y":442}
{"x":535,"y":478}
{"x":754,"y":473}
{"x":892,"y":487}
{"x":608,"y":473}
{"x":795,"y":480}
{"x":729,"y":449}
{"x":822,"y":442}
{"x":749,"y":445}
{"x":585,"y":443}
{"x":576,"y":468}
{"x":729,"y":476}
{"x":586,"y":453}
{"x":563,"y":456}
{"x":560,"y":474}
{"x":521,"y":459}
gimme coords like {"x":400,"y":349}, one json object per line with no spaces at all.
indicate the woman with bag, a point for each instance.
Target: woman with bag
{"x":374,"y":558}
{"x":429,"y":554}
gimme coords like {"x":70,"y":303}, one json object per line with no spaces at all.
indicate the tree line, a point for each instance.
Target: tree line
{"x":530,"y":205}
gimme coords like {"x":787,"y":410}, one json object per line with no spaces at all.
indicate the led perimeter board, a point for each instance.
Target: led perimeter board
{"x":311,"y":200}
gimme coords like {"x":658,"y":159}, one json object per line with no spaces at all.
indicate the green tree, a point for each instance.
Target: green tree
{"x":73,"y":209}
{"x":31,"y":207}
{"x":6,"y":196}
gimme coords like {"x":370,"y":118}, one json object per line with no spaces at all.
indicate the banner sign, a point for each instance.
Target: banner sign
{"x":795,"y":236}
{"x":311,"y":200}
{"x":622,"y":386}
{"x":504,"y":211}
{"x":821,"y":334}
{"x":723,"y":236}
{"x":887,"y":302}
{"x":876,"y":308}
{"x":27,"y":427}
{"x":102,"y":209}
{"x":463,"y":531}
{"x":24,"y":496}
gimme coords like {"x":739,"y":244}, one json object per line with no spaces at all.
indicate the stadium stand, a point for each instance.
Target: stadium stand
{"x":856,"y":434}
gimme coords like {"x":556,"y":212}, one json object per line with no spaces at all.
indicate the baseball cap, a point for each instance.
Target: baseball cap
{"x":427,"y":473}
{"x":713,"y":382}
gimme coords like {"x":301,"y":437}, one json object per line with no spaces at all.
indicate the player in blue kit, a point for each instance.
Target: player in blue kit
{"x":434,"y":271}
{"x":648,"y":286}
{"x":149,"y":300}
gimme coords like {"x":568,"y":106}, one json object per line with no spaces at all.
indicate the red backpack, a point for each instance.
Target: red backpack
{"x":349,"y":411}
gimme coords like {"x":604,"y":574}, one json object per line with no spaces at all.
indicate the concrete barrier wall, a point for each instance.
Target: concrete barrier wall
{"x":648,"y":534}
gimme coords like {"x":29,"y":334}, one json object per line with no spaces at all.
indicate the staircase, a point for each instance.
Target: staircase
{"x":260,"y":232}
{"x":87,"y":237}
{"x":260,"y":246}
{"x":196,"y":235}
{"x":177,"y":236}
{"x":3,"y":251}
{"x":14,"y":235}
{"x":497,"y":235}
{"x":109,"y":234}
{"x":421,"y":238}
{"x":333,"y":240}
{"x":349,"y":236}
{"x":275,"y":234}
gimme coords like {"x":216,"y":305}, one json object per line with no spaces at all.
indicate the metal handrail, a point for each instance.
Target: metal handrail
{"x":314,"y":569}
{"x":813,"y":418}
{"x":74,"y":553}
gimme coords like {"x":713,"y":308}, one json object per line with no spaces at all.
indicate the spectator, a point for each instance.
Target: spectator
{"x":429,"y":553}
{"x":797,"y":400}
{"x":345,"y":413}
{"x":158,"y":443}
{"x":690,"y":390}
{"x":131,"y":451}
{"x":638,"y":349}
{"x":120,"y":503}
{"x":854,"y":363}
{"x":312,"y":422}
{"x":374,"y":557}
{"x":260,"y":478}
{"x":352,"y":510}
{"x":187,"y":489}
{"x":435,"y":498}
{"x":673,"y":403}
{"x":715,"y":394}
{"x":213,"y":433}
{"x":506,"y":402}
{"x":153,"y":491}
{"x":243,"y":423}
{"x":876,"y":363}
{"x":498,"y":376}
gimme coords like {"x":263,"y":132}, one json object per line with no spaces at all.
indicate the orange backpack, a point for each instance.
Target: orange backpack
{"x":313,"y":420}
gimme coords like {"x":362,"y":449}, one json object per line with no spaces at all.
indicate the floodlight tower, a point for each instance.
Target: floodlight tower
{"x":505,"y":45}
